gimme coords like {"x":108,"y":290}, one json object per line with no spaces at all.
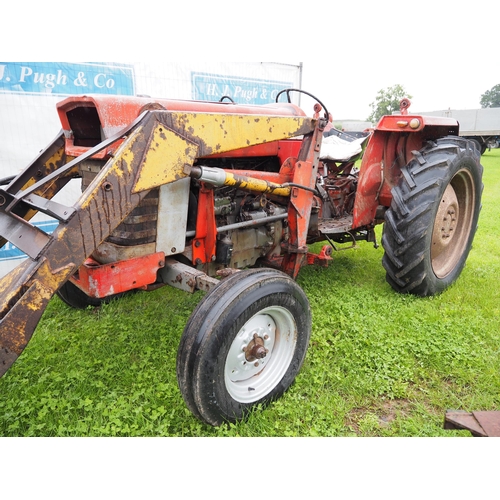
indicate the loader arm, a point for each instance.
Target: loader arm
{"x":160,"y":147}
{"x":51,"y":159}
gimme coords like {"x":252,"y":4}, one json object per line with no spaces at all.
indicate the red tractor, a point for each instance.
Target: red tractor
{"x":227,"y":199}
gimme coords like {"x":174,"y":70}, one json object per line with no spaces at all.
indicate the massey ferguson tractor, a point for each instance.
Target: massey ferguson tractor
{"x":227,"y":198}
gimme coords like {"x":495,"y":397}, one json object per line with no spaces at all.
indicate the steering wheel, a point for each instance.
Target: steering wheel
{"x":287,"y":92}
{"x":226,"y":97}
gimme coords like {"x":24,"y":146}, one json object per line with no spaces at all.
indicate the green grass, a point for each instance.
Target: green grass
{"x":379,"y":363}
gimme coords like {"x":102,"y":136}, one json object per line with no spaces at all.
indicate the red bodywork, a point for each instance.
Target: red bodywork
{"x":103,"y":280}
{"x":391,"y":146}
{"x":113,"y":113}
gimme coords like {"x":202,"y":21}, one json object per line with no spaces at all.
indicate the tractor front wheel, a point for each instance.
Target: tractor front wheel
{"x":243,"y":345}
{"x":430,"y":226}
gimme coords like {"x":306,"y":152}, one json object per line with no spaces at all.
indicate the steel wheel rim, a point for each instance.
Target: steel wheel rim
{"x":452,"y":224}
{"x":249,"y":378}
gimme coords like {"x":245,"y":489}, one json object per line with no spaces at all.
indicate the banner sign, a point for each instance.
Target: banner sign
{"x":66,"y":78}
{"x":210,"y":87}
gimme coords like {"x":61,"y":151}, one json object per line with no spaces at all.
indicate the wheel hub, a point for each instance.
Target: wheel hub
{"x":260,"y":354}
{"x":452,"y":224}
{"x":255,"y":349}
{"x":446,"y":219}
{"x":250,"y":349}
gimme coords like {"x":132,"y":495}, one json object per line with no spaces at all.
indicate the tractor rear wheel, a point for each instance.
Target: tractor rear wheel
{"x":430,"y":226}
{"x":243,"y":345}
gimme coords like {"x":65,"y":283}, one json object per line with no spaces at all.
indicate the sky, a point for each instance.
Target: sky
{"x":444,"y":53}
{"x":436,"y":87}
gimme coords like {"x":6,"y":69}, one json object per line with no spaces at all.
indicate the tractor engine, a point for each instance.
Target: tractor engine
{"x":240,"y":248}
{"x":240,"y":242}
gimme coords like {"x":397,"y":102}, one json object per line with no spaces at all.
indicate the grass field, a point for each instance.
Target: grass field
{"x":379,"y":363}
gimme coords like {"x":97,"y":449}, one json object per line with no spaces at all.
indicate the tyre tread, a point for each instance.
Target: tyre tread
{"x":407,"y":221}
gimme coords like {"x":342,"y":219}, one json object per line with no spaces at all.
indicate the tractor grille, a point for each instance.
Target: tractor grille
{"x":140,"y":225}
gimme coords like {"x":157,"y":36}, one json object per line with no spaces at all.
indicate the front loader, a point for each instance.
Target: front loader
{"x":226,"y":199}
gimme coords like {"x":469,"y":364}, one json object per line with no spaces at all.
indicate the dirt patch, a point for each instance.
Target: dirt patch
{"x":384,"y":413}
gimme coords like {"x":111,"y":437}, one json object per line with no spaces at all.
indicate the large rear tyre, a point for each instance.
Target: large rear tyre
{"x":430,"y":226}
{"x":243,"y":345}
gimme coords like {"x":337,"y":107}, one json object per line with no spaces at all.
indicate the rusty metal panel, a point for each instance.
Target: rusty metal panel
{"x":178,"y":138}
{"x":180,"y":276}
{"x":164,"y":158}
{"x":479,"y":423}
{"x":489,"y":421}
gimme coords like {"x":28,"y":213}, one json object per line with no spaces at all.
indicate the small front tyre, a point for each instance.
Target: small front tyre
{"x":243,"y":345}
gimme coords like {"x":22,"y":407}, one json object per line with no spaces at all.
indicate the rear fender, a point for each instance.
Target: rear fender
{"x":390,"y":147}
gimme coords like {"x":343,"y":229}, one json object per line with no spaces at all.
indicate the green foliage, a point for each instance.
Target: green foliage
{"x":379,"y":363}
{"x":386,"y":102}
{"x":491,"y":98}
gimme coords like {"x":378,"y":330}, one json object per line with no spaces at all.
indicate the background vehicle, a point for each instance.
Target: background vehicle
{"x":227,"y":198}
{"x":482,"y":125}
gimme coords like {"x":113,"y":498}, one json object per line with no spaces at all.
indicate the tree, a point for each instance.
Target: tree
{"x":491,"y":98}
{"x":386,"y":102}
